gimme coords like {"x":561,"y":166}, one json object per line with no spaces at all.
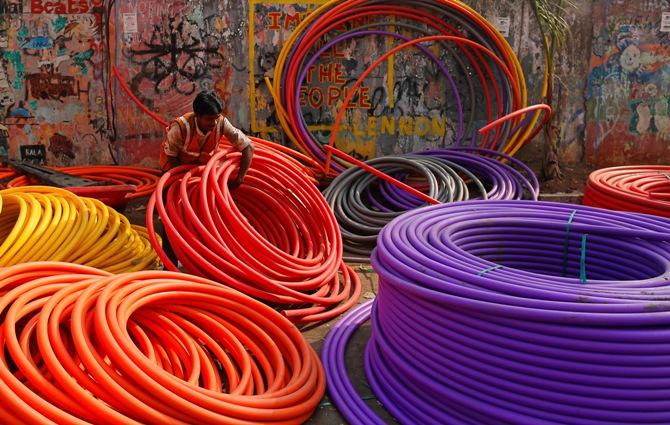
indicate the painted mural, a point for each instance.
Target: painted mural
{"x":628,"y":88}
{"x":51,"y":80}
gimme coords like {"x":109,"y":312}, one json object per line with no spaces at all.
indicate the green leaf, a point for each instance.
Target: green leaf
{"x":551,"y":18}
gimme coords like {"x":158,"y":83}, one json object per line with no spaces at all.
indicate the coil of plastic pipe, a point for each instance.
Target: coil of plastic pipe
{"x":40,"y":223}
{"x":502,"y":83}
{"x":518,"y":312}
{"x":364,"y":204}
{"x":274,"y":238}
{"x":82,"y":346}
{"x":127,"y":183}
{"x":643,"y":189}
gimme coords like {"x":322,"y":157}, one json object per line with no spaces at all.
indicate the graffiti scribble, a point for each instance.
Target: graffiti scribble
{"x":177,"y":55}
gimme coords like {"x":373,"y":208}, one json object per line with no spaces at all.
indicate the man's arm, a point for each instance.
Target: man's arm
{"x":245,"y":163}
{"x":170,"y":148}
{"x":240,"y":141}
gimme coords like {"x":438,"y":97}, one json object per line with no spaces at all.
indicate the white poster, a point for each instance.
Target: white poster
{"x":130,"y":23}
{"x":665,"y":22}
{"x":502,"y":24}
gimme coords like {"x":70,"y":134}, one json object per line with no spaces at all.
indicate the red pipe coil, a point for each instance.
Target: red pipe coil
{"x":644,"y":189}
{"x":143,"y":179}
{"x":274,"y":238}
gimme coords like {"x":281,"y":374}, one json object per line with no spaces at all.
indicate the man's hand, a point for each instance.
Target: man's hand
{"x":235,"y":183}
{"x":204,"y":157}
{"x":245,"y":163}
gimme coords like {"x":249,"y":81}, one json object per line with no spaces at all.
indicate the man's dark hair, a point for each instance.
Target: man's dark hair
{"x":207,"y":103}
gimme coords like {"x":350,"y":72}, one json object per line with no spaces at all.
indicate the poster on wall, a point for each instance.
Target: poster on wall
{"x":130,"y":23}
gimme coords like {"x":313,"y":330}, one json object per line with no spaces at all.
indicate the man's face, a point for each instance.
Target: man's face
{"x":206,"y":122}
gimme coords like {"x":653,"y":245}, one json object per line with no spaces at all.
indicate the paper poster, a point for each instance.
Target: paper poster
{"x":130,"y":23}
{"x":665,"y":22}
{"x":502,"y":24}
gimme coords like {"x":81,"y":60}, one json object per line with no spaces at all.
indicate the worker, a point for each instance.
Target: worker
{"x":195,"y":137}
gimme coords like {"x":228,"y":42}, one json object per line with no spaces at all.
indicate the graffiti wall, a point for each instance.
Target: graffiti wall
{"x":56,"y":95}
{"x":56,"y":90}
{"x":628,"y":88}
{"x":167,"y":52}
{"x":52,"y":96}
{"x":58,"y":99}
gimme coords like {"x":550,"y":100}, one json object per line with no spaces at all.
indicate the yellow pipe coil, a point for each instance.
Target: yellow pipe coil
{"x":41,"y":223}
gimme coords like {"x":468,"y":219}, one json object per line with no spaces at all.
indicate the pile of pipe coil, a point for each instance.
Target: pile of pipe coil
{"x":364,"y":204}
{"x":519,"y":312}
{"x":142,"y":178}
{"x":82,"y":346}
{"x":490,"y":69}
{"x":40,"y":223}
{"x":5,"y":175}
{"x":637,"y":188}
{"x":274,"y":238}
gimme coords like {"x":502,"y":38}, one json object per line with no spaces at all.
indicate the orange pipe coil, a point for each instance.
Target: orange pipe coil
{"x":82,"y":346}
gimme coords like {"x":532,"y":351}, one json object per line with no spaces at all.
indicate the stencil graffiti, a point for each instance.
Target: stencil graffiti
{"x":177,"y":54}
{"x":36,"y":154}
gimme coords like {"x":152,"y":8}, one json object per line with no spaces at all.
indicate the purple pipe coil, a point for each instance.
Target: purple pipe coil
{"x":524,"y":174}
{"x":517,"y":312}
